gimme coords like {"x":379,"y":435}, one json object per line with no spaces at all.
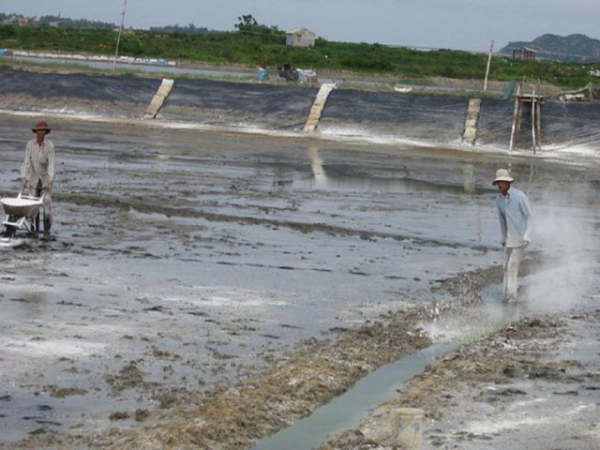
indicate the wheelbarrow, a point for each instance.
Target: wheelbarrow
{"x":22,"y":213}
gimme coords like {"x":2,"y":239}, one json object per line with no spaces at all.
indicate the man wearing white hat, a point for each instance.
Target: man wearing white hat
{"x":39,"y":160}
{"x":516,"y":222}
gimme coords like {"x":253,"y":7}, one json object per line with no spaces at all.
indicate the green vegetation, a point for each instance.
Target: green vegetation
{"x":46,"y":21}
{"x":253,"y":43}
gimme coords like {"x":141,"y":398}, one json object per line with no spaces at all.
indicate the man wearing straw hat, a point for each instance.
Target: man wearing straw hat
{"x":516,"y":223}
{"x":39,"y":160}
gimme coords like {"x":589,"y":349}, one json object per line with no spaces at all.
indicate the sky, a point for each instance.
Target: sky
{"x":469,"y":25}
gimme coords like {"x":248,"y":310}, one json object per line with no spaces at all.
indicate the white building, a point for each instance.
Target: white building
{"x":301,"y":37}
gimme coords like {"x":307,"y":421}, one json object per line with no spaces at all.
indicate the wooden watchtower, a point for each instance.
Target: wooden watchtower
{"x":535,"y":101}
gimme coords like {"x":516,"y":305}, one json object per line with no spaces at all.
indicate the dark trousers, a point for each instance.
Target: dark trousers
{"x":47,"y":218}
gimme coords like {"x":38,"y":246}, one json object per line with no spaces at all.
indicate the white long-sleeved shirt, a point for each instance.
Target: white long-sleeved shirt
{"x":40,"y":161}
{"x":516,"y":219}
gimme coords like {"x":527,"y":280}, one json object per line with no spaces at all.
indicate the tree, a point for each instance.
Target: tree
{"x":246,"y":23}
{"x":249,"y":25}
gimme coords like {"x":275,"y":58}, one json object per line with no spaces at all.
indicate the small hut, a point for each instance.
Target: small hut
{"x":300,"y":37}
{"x":524,"y":53}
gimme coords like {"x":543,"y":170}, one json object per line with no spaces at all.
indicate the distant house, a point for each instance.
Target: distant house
{"x":524,"y":53}
{"x":300,"y":37}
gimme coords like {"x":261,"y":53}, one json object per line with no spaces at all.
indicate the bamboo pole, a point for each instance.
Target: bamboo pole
{"x":519,"y":122}
{"x":538,"y":113}
{"x":514,"y":122}
{"x":487,"y":70}
{"x":119,"y":36}
{"x":539,"y":124}
{"x":533,"y":120}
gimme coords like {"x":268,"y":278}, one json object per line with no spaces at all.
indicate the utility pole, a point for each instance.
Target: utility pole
{"x":487,"y":70}
{"x":119,"y":36}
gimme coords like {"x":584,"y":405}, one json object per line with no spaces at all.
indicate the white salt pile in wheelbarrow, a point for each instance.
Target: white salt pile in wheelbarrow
{"x":22,"y":206}
{"x":20,"y":215}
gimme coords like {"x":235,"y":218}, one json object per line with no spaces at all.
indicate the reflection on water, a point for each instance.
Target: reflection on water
{"x":469,"y":179}
{"x":321,"y":180}
{"x":316,"y":162}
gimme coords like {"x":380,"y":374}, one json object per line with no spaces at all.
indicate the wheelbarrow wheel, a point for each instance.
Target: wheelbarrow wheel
{"x":10,"y":230}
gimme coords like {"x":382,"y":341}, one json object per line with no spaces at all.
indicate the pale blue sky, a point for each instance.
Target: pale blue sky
{"x":453,"y":24}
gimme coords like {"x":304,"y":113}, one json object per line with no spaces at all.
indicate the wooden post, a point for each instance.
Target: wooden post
{"x":539,"y":123}
{"x":538,"y":115}
{"x":533,"y":119}
{"x":514,"y":123}
{"x":519,"y":122}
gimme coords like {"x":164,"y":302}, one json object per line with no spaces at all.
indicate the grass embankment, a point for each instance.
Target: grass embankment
{"x":268,"y":45}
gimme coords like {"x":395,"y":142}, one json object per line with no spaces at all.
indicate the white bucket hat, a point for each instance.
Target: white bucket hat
{"x":502,"y":175}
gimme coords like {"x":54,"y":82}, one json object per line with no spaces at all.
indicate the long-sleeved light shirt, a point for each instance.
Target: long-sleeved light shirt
{"x":40,"y":160}
{"x":516,"y":219}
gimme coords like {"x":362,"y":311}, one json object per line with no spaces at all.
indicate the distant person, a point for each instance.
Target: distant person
{"x":516,"y":222}
{"x":39,"y":161}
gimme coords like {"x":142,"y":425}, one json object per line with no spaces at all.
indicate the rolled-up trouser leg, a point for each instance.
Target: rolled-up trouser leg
{"x":512,"y":261}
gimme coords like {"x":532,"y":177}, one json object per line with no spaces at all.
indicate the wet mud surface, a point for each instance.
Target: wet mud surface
{"x":533,"y":384}
{"x":208,"y":289}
